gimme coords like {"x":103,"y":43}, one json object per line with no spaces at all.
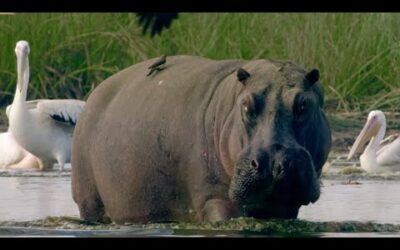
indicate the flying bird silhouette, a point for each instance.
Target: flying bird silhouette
{"x":155,"y":22}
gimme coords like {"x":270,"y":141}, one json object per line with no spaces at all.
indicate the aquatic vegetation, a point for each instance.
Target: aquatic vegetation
{"x":351,"y":170}
{"x":239,"y":226}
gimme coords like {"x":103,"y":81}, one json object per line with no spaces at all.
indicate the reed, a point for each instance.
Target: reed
{"x":71,"y":53}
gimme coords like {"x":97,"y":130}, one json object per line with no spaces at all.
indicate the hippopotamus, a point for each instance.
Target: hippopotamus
{"x":200,"y":140}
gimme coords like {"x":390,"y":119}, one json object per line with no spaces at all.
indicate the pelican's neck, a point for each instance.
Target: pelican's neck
{"x":368,"y":159}
{"x":376,"y":140}
{"x":22,"y":79}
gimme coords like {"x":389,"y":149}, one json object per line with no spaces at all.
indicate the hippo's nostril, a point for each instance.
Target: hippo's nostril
{"x":278,"y":171}
{"x":281,"y":167}
{"x":289,"y":164}
{"x":254,"y":163}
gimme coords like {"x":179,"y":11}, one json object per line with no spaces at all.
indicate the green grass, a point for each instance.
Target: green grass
{"x":358,"y":54}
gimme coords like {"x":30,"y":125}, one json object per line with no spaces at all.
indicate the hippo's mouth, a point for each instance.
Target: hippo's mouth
{"x":276,"y":210}
{"x":268,"y":205}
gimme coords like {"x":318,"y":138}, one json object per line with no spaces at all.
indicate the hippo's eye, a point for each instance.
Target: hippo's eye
{"x":301,"y":110}
{"x":301,"y":107}
{"x":248,"y":107}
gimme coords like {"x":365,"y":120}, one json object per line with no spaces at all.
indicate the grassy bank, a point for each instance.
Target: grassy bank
{"x":358,"y":54}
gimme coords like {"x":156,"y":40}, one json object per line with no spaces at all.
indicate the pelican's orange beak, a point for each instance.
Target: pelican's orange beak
{"x":370,"y":130}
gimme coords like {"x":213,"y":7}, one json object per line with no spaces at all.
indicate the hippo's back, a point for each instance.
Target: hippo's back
{"x":179,"y":76}
{"x":137,"y":130}
{"x":179,"y":92}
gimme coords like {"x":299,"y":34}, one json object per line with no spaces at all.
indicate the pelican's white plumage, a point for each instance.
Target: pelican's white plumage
{"x":379,"y":155}
{"x":12,"y":155}
{"x":43,"y":127}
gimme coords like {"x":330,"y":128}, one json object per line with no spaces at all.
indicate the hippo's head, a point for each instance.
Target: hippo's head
{"x":278,"y":142}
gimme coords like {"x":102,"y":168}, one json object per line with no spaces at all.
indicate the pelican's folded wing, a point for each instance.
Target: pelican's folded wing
{"x":389,"y":153}
{"x":65,"y":110}
{"x":389,"y":139}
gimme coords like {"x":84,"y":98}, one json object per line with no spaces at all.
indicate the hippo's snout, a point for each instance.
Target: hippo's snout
{"x":294,"y":175}
{"x":279,"y":175}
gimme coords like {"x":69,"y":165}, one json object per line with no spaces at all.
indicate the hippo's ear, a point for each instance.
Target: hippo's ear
{"x":312,"y":77}
{"x":242,"y":75}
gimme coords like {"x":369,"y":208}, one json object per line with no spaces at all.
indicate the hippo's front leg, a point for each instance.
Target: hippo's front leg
{"x":217,"y":209}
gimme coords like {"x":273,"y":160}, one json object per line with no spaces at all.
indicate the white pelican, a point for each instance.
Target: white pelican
{"x":42,"y":127}
{"x":377,"y":157}
{"x":12,"y":155}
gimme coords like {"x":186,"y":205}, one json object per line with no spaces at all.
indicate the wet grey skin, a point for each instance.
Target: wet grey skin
{"x":221,"y":138}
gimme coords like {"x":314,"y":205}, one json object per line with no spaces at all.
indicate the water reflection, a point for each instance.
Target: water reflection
{"x":28,"y":198}
{"x":371,"y":200}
